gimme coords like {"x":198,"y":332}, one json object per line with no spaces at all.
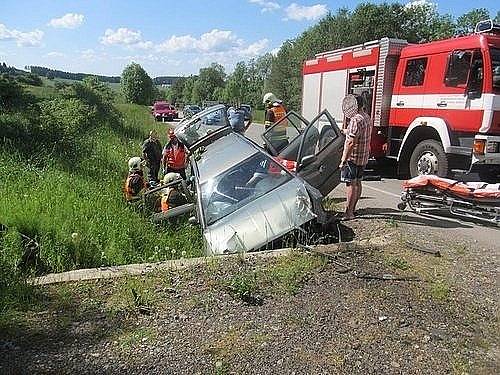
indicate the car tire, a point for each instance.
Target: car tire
{"x":429,"y":157}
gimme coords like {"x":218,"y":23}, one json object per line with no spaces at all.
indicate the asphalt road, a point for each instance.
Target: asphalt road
{"x":380,"y":199}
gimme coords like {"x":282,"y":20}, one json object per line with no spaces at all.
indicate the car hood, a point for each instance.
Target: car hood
{"x":261,"y":221}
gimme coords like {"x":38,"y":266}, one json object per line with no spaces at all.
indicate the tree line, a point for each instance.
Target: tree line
{"x":54,"y":73}
{"x":415,"y":23}
{"x":281,"y":74}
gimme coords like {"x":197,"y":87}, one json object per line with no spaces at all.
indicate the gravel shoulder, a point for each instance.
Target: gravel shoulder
{"x":299,"y":313}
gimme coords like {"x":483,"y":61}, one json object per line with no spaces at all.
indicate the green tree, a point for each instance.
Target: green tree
{"x":137,"y":85}
{"x":176,"y":91}
{"x":466,"y":23}
{"x":187,"y":91}
{"x":236,"y":85}
{"x":497,"y":18}
{"x":208,"y":80}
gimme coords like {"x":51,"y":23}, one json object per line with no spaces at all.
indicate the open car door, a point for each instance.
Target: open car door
{"x":320,"y":152}
{"x":283,"y":138}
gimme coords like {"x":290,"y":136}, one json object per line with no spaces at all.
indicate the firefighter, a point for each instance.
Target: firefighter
{"x":151,"y":152}
{"x":134,"y":184}
{"x":275,"y":111}
{"x":174,"y":156}
{"x":171,"y":197}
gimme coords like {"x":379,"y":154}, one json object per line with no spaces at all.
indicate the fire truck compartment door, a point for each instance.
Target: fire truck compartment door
{"x":283,"y":138}
{"x":311,"y":95}
{"x":332,"y":93}
{"x":320,"y":153}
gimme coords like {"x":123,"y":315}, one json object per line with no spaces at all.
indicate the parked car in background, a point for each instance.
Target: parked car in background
{"x":163,"y":111}
{"x":190,"y":110}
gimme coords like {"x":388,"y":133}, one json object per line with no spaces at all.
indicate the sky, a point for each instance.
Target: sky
{"x":165,"y":37}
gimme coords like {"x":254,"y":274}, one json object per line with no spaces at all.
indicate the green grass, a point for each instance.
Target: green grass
{"x":258,"y":115}
{"x":77,"y":212}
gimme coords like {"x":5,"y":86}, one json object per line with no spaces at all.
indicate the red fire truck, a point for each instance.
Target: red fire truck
{"x":435,"y":106}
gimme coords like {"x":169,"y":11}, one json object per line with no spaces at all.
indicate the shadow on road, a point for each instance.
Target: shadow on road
{"x":404,"y":217}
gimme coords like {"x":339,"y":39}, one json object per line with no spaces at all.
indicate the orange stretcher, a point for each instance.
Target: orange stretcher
{"x":475,"y":200}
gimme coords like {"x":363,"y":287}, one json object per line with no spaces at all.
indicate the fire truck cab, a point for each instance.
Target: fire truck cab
{"x":435,"y":107}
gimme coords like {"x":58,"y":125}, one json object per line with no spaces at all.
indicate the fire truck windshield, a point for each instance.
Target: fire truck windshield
{"x":495,"y":68}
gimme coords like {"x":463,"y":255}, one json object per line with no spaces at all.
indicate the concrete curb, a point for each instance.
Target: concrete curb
{"x":142,"y":268}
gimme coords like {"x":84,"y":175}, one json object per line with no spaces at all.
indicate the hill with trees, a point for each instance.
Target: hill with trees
{"x":54,"y":73}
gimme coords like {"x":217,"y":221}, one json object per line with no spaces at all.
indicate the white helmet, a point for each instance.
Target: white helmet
{"x":269,"y":97}
{"x":135,"y":164}
{"x":170,"y":177}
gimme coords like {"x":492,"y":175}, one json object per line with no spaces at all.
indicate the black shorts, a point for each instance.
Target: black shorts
{"x":351,"y":172}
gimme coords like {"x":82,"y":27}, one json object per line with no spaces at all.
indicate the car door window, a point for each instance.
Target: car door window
{"x":457,"y":72}
{"x":321,"y":132}
{"x":285,"y":134}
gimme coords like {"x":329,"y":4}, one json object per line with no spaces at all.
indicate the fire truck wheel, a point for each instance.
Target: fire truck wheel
{"x":429,"y":157}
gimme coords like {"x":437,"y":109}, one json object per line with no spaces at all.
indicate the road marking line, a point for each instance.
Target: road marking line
{"x":382,"y":191}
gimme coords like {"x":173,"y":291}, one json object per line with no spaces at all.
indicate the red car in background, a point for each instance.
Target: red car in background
{"x":163,"y":111}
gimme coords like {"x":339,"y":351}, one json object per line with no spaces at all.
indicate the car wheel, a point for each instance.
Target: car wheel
{"x":427,"y":158}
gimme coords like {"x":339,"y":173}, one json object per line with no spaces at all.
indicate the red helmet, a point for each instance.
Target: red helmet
{"x":171,"y":134}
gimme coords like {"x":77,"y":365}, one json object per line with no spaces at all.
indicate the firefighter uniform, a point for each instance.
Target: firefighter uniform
{"x":278,"y":136}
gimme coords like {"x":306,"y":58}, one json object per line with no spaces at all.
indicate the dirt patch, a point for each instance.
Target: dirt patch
{"x":294,"y":314}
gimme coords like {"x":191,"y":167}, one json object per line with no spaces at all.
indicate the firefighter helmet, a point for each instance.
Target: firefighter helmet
{"x":269,"y":98}
{"x":135,"y":164}
{"x":170,"y":177}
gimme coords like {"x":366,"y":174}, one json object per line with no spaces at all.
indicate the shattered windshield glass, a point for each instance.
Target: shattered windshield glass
{"x":239,"y":185}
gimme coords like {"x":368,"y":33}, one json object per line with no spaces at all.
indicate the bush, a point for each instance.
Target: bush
{"x":30,"y":79}
{"x":12,"y":95}
{"x":137,"y":85}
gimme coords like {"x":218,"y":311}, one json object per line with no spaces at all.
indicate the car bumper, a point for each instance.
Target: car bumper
{"x":486,"y":150}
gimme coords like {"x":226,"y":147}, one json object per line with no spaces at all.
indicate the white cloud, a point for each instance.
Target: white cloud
{"x":421,"y":3}
{"x":125,"y":37}
{"x":68,"y":21}
{"x":266,"y":6}
{"x":56,"y":54}
{"x":212,"y":41}
{"x":218,"y":40}
{"x":22,"y":39}
{"x":255,"y":49}
{"x":299,"y":12}
{"x":88,"y":54}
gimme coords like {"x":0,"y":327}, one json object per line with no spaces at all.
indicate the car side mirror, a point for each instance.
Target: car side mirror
{"x":306,"y":160}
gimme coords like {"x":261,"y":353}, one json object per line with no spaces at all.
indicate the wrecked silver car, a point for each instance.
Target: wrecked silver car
{"x":245,"y":197}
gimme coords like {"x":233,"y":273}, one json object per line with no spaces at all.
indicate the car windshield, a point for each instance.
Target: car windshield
{"x":240,"y":185}
{"x":162,"y":106}
{"x":195,"y":108}
{"x":495,"y":69}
